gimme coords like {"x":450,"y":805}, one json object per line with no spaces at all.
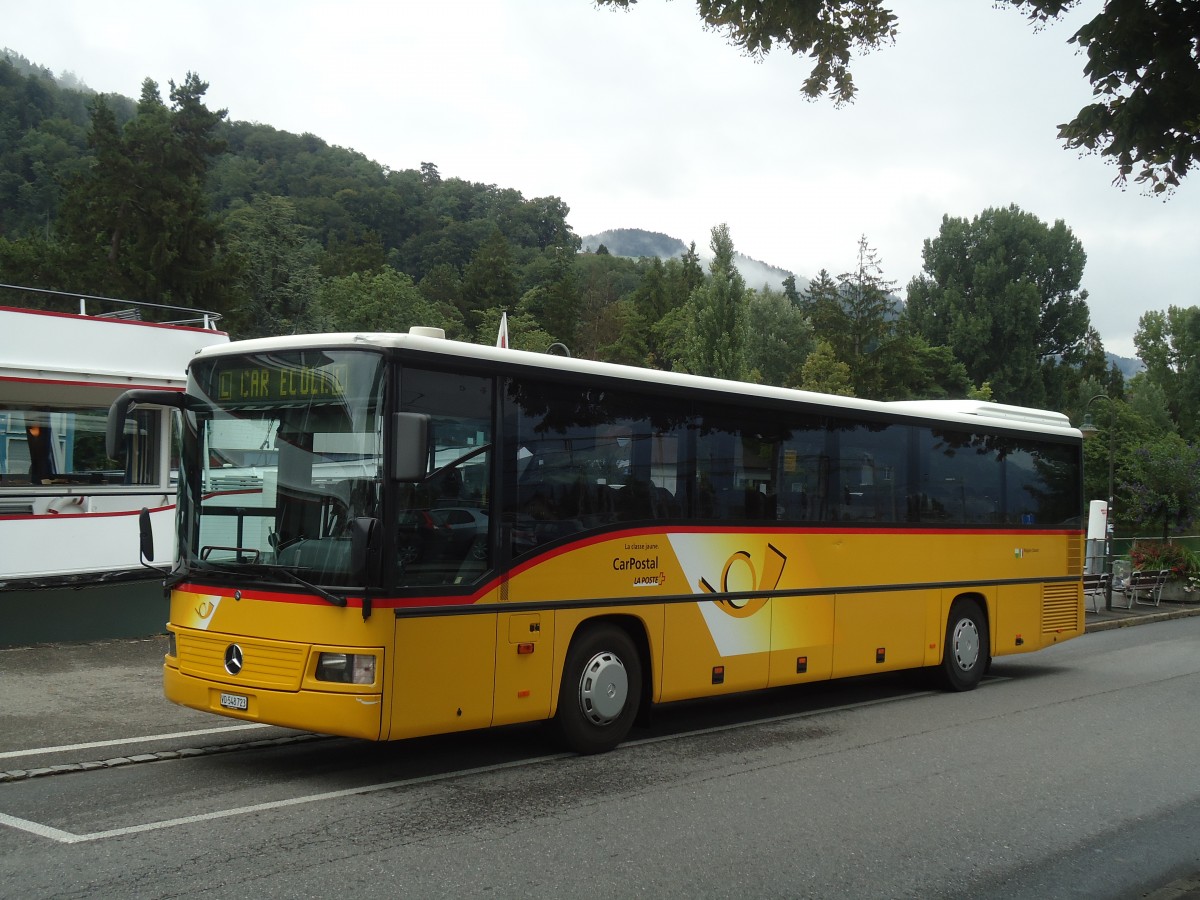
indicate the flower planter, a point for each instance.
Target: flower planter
{"x":1177,"y":592}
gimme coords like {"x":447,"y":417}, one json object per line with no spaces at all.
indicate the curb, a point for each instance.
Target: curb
{"x":1183,"y":889}
{"x":41,"y":772}
{"x":1139,"y":619}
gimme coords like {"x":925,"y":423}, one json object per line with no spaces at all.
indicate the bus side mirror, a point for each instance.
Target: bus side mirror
{"x":410,"y":440}
{"x":114,"y":444}
{"x":146,"y":537}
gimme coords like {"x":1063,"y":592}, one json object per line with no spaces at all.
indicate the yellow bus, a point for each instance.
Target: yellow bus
{"x":391,"y":535}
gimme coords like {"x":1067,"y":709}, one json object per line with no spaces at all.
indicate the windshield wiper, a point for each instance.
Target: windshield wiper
{"x":335,"y":599}
{"x":264,"y":571}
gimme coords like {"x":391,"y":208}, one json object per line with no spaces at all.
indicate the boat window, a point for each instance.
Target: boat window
{"x":48,"y":446}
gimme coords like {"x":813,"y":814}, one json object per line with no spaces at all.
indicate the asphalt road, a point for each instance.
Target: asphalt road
{"x":1069,"y":773}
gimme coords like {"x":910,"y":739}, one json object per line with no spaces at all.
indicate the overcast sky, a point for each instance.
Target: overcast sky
{"x":642,"y":119}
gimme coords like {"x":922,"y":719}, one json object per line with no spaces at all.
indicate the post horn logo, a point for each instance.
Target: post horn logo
{"x":740,"y":574}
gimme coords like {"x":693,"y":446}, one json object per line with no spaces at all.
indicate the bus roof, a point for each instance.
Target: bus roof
{"x":970,"y":413}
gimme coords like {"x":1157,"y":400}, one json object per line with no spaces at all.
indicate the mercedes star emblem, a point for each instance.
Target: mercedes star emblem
{"x":233,"y":659}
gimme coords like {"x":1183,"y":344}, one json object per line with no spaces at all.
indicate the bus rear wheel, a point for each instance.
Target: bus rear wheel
{"x":966,"y":653}
{"x":601,"y":690}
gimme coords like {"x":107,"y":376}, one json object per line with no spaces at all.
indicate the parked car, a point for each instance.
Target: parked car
{"x":466,"y":524}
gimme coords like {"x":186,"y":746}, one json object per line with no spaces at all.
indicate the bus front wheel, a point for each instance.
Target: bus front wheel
{"x":966,"y":653}
{"x":600,"y":691}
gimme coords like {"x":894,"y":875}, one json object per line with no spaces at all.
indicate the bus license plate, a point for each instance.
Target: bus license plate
{"x":234,"y":701}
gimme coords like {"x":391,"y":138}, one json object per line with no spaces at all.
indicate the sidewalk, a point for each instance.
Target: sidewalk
{"x":1119,"y":617}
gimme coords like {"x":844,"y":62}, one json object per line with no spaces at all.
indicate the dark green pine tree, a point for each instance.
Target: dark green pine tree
{"x":489,"y":282}
{"x":716,"y":317}
{"x":138,"y":221}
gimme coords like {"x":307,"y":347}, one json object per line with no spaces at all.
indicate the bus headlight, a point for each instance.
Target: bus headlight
{"x":346,"y":668}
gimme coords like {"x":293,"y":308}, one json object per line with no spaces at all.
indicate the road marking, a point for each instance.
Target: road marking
{"x":774,"y":720}
{"x":66,"y":837}
{"x":13,"y":754}
{"x":63,"y":837}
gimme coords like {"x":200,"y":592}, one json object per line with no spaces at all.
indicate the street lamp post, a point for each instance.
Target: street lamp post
{"x":1089,"y":429}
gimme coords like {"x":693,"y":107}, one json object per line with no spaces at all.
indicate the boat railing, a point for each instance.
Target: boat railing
{"x":126,"y":310}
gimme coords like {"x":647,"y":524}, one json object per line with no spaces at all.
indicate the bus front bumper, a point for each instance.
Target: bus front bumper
{"x":345,"y":714}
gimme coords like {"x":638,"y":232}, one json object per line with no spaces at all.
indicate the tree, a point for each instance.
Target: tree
{"x":1148,"y":400}
{"x":1165,"y":484}
{"x":866,"y":304}
{"x":1002,"y":291}
{"x":1169,"y":344}
{"x":381,"y":301}
{"x":278,"y":276}
{"x":601,"y":281}
{"x":670,"y":337}
{"x":715,"y":315}
{"x":1141,"y":480}
{"x":825,"y":373}
{"x":140,"y":217}
{"x":790,"y":291}
{"x":1142,"y":64}
{"x":429,"y":174}
{"x":778,"y":338}
{"x":632,"y":345}
{"x":556,"y":302}
{"x":692,"y":274}
{"x":1125,"y":437}
{"x":856,"y":317}
{"x":907,"y":368}
{"x":524,"y":331}
{"x":36,"y":261}
{"x":828,"y":31}
{"x":489,"y":281}
{"x":1093,"y":359}
{"x":442,"y":287}
{"x":822,"y":304}
{"x":651,"y":297}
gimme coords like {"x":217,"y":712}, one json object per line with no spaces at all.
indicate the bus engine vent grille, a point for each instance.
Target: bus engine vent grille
{"x":1060,"y":607}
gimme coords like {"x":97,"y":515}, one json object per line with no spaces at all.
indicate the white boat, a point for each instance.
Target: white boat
{"x":69,"y":561}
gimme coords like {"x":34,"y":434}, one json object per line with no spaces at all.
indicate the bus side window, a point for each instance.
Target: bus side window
{"x":803,"y":467}
{"x":444,"y":521}
{"x":589,"y":459}
{"x":961,"y":478}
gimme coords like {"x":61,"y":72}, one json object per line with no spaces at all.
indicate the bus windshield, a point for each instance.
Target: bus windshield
{"x":288,"y":450}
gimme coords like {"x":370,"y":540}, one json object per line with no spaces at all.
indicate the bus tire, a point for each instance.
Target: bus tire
{"x":966,"y":655}
{"x":601,"y":690}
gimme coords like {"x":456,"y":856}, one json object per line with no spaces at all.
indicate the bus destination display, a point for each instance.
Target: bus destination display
{"x":262,"y":384}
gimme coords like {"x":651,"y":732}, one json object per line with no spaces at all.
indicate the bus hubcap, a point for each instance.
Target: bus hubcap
{"x":966,"y":644}
{"x":603,"y":688}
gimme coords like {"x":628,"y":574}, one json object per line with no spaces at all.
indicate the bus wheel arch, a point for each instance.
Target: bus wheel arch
{"x":603,"y":684}
{"x":966,"y":651}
